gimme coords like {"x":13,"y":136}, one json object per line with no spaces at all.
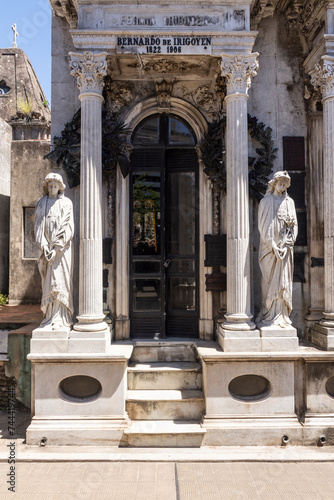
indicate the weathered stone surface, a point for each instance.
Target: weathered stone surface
{"x":5,"y":159}
{"x":25,"y":96}
{"x":28,"y":172}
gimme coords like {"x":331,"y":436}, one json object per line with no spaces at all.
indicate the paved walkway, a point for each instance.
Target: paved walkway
{"x":169,"y":481}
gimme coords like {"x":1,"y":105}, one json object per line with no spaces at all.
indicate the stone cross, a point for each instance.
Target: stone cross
{"x":15,"y":35}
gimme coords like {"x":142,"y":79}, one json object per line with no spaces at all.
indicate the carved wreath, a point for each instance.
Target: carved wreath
{"x":260,"y":168}
{"x":66,"y":152}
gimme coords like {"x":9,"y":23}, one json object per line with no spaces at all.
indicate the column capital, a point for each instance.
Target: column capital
{"x":322,"y":76}
{"x":238,"y":70}
{"x":89,"y":68}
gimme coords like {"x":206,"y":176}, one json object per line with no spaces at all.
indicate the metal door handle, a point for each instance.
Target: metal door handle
{"x":166,"y":263}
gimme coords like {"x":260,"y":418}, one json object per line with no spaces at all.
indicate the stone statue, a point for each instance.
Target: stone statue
{"x":54,"y":229}
{"x":278,"y":232}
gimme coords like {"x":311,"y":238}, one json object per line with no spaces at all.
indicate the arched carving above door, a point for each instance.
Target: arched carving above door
{"x":177,"y":107}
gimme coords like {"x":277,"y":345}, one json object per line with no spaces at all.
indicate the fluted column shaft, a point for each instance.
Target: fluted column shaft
{"x":316,"y":214}
{"x":238,"y":70}
{"x":90,"y":68}
{"x":328,"y":117}
{"x":323,"y":77}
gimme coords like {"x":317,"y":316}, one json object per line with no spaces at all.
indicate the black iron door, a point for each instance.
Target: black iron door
{"x":164,"y":229}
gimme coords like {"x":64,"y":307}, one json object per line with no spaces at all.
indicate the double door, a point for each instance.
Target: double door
{"x":164,"y":243}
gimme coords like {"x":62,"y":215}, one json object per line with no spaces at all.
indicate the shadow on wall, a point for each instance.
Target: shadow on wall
{"x":27,"y":292}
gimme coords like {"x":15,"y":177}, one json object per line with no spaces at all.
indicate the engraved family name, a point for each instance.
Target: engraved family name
{"x":165,"y":45}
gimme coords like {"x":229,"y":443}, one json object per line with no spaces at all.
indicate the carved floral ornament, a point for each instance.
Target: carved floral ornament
{"x":322,"y":77}
{"x":89,"y":68}
{"x":238,"y":70}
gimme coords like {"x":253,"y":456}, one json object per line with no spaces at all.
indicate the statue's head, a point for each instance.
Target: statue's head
{"x":281,"y":176}
{"x":54,"y":179}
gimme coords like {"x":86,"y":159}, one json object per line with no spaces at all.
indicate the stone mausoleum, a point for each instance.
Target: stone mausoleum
{"x":186,"y":111}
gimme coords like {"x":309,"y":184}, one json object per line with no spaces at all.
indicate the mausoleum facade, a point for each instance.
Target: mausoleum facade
{"x":187,"y":110}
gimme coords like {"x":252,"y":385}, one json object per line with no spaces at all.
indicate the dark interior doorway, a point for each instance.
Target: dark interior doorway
{"x":164,"y":230}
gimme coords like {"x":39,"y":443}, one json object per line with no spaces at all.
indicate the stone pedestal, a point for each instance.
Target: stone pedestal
{"x":61,"y":418}
{"x":238,"y":330}
{"x":323,"y":336}
{"x":276,"y":339}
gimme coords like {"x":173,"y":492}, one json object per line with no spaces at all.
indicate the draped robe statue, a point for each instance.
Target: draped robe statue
{"x":54,"y":229}
{"x":278,"y":232}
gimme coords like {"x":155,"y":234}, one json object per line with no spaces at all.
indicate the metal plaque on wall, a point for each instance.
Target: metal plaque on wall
{"x":215,"y":250}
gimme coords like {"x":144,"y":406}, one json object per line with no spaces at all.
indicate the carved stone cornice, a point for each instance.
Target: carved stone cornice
{"x":89,"y":68}
{"x":260,"y":10}
{"x":322,"y":77}
{"x":238,"y":70}
{"x":308,"y":15}
{"x":67,"y":9}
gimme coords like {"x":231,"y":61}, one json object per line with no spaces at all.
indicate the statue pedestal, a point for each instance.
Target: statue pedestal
{"x":274,"y":338}
{"x":323,"y":336}
{"x":66,"y":341}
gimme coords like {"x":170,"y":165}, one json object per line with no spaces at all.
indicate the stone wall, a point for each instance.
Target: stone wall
{"x":24,"y":95}
{"x":5,"y":158}
{"x":64,"y":91}
{"x":28,"y":173}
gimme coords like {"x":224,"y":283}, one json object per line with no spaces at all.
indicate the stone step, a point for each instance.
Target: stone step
{"x":164,"y":433}
{"x":166,"y":375}
{"x":160,"y":351}
{"x":165,"y":404}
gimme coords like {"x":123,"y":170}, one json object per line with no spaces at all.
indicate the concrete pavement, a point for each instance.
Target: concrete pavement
{"x":169,"y":481}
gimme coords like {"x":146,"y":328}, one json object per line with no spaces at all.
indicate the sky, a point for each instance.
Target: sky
{"x":33,"y":22}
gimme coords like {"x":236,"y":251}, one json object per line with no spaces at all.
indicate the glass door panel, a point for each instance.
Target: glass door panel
{"x":164,"y":230}
{"x":181,"y":239}
{"x":146,"y":215}
{"x":147,"y":251}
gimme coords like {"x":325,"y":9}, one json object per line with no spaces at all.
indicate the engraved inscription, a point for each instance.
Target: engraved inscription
{"x":165,"y":45}
{"x":191,"y":20}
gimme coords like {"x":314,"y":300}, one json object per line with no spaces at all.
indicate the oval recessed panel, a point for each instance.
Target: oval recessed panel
{"x":330,"y":387}
{"x":249,"y":388}
{"x":80,"y":389}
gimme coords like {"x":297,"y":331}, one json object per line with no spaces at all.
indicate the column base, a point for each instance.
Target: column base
{"x":206,"y":329}
{"x":323,"y":336}
{"x":90,"y":323}
{"x":238,"y":322}
{"x":275,"y":339}
{"x":238,"y":341}
{"x":122,"y":329}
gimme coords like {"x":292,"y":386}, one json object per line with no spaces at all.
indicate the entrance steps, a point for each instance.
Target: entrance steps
{"x":165,"y":401}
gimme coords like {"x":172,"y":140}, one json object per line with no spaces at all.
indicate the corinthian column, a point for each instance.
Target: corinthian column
{"x":238,"y":330}
{"x":89,"y":68}
{"x":323,"y":77}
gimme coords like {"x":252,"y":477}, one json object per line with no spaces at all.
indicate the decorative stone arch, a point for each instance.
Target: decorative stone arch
{"x":187,"y":112}
{"x":177,"y":107}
